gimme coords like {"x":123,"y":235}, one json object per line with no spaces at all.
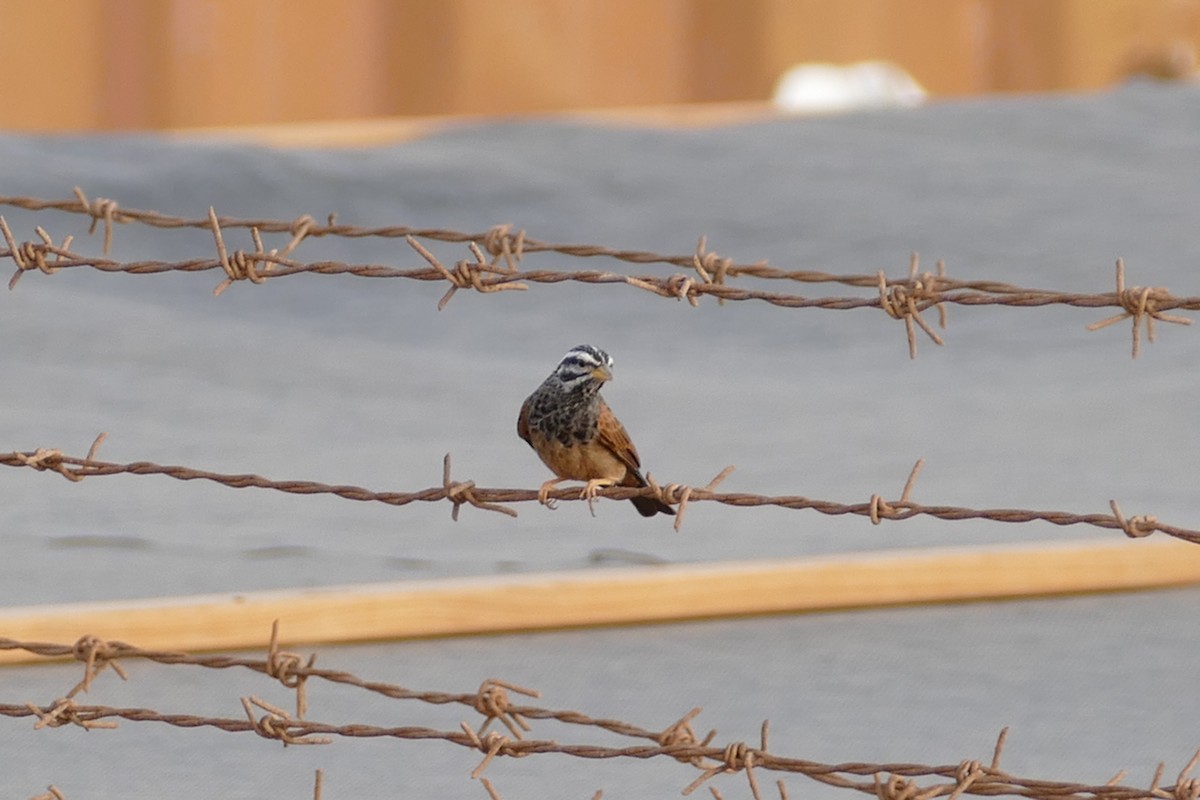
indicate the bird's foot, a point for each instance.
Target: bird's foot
{"x":544,"y":493}
{"x":593,"y":486}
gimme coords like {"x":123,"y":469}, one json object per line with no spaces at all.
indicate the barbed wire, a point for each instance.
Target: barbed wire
{"x":493,"y":267}
{"x":460,"y":493}
{"x":678,"y":741}
{"x":496,"y":240}
{"x":903,"y":299}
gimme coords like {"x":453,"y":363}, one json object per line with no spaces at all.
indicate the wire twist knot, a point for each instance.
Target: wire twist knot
{"x":96,"y":654}
{"x":65,"y":712}
{"x":679,"y":494}
{"x":681,"y":734}
{"x":299,"y":228}
{"x":898,"y":788}
{"x":44,"y":459}
{"x":277,"y":724}
{"x":31,"y":255}
{"x":290,"y":669}
{"x":711,"y":267}
{"x":681,"y":287}
{"x":491,"y":746}
{"x":906,"y":300}
{"x":53,"y":459}
{"x":500,"y":243}
{"x":880,"y":509}
{"x":967,"y":773}
{"x":466,"y":274}
{"x":1187,"y":789}
{"x":458,"y":492}
{"x":103,"y":210}
{"x":492,"y":701}
{"x":1139,"y":303}
{"x":1134,"y":527}
{"x":736,"y":757}
{"x":240,"y":265}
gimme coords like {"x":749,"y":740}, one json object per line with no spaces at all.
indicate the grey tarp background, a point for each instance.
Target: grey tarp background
{"x":360,"y":381}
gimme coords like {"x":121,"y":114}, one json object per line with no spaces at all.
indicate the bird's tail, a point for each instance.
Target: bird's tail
{"x":647,"y":506}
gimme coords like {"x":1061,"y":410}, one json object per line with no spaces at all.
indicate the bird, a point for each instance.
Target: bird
{"x":576,"y":435}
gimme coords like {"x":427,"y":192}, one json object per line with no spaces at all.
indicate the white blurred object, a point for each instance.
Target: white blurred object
{"x":828,"y":88}
{"x":1172,"y":61}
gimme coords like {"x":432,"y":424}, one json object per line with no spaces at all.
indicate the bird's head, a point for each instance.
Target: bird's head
{"x":584,"y":364}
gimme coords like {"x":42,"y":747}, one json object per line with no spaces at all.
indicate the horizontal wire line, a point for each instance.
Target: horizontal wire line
{"x":677,"y":741}
{"x":495,"y":499}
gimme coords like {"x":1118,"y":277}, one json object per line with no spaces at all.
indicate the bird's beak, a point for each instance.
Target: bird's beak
{"x":602,"y":373}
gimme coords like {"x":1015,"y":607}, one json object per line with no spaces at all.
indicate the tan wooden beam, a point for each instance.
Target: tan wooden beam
{"x":619,"y":596}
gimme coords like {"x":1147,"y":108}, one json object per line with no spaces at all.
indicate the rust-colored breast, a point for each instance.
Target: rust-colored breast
{"x":577,"y":443}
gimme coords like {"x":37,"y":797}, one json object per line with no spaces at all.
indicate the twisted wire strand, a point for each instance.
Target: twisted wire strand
{"x":110,"y":213}
{"x":677,"y":742}
{"x":112,"y":652}
{"x":903,"y":299}
{"x":969,"y":294}
{"x":495,"y":499}
{"x":115,"y":214}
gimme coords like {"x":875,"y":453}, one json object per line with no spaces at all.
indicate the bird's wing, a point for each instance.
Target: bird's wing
{"x":612,"y":435}
{"x":523,"y":421}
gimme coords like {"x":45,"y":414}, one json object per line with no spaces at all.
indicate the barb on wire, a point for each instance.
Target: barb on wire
{"x":278,"y":724}
{"x":678,"y":494}
{"x":239,"y":266}
{"x":1139,"y":303}
{"x":103,"y":210}
{"x":499,"y":241}
{"x":76,"y":469}
{"x":904,"y":780}
{"x":907,"y":300}
{"x":486,"y":700}
{"x":96,"y":656}
{"x":678,"y":742}
{"x":289,"y":669}
{"x":492,"y":702}
{"x":44,"y":459}
{"x":882,"y":509}
{"x":65,"y":711}
{"x":901,"y":298}
{"x":29,"y":255}
{"x":466,"y":274}
{"x":52,"y":793}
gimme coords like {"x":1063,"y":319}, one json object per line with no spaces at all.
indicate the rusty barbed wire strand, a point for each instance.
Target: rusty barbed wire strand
{"x":491,"y":700}
{"x":52,"y":793}
{"x":989,"y":782}
{"x":903,"y":299}
{"x":495,"y":499}
{"x":110,"y":213}
{"x":966,"y":777}
{"x":1158,"y":300}
{"x":677,"y":741}
{"x":500,"y":240}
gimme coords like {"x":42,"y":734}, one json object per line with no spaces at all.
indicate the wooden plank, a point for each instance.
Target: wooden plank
{"x":610,"y":597}
{"x":351,"y":133}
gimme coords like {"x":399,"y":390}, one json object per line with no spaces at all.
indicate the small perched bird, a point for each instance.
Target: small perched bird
{"x":573,"y":431}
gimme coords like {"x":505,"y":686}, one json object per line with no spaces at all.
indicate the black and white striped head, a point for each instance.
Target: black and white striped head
{"x":584,"y":365}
